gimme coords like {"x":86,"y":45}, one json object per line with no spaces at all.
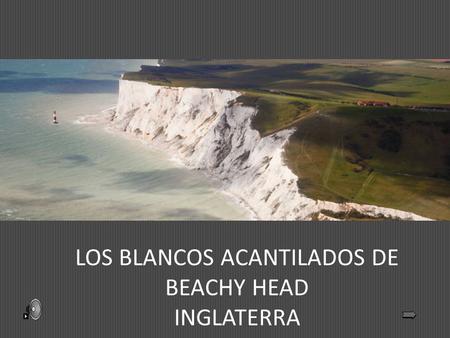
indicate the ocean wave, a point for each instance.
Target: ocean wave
{"x":101,"y":118}
{"x":7,"y":214}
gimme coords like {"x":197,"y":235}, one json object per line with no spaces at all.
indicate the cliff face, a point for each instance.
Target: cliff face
{"x":208,"y":130}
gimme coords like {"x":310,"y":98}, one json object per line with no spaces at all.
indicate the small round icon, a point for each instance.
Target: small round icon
{"x":35,"y":309}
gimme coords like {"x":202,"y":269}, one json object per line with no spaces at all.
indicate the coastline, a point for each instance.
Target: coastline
{"x":102,"y":119}
{"x":207,"y":130}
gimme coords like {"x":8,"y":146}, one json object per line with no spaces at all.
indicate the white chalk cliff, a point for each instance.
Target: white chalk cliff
{"x":208,"y":130}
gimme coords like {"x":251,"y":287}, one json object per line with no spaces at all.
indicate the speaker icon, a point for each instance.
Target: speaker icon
{"x":33,"y":310}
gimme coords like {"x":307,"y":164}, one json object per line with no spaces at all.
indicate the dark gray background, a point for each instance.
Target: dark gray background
{"x":224,"y":28}
{"x":38,"y":259}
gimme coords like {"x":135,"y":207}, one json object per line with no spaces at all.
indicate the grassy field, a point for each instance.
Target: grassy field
{"x":388,"y":157}
{"x":396,"y":157}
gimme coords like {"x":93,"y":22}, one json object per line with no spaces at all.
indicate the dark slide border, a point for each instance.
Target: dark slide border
{"x":224,"y":29}
{"x":38,"y":260}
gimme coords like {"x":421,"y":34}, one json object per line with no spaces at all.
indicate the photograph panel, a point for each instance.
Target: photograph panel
{"x":243,"y":139}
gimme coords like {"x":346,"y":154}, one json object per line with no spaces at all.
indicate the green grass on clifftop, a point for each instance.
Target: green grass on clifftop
{"x":395,"y":156}
{"x":388,"y":157}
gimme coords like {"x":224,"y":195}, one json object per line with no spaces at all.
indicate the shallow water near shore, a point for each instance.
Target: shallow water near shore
{"x":79,"y":171}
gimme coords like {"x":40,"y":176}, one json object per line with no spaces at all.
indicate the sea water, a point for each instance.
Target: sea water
{"x":76,"y":171}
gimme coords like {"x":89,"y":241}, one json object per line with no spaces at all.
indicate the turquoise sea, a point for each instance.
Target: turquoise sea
{"x":73,"y":171}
